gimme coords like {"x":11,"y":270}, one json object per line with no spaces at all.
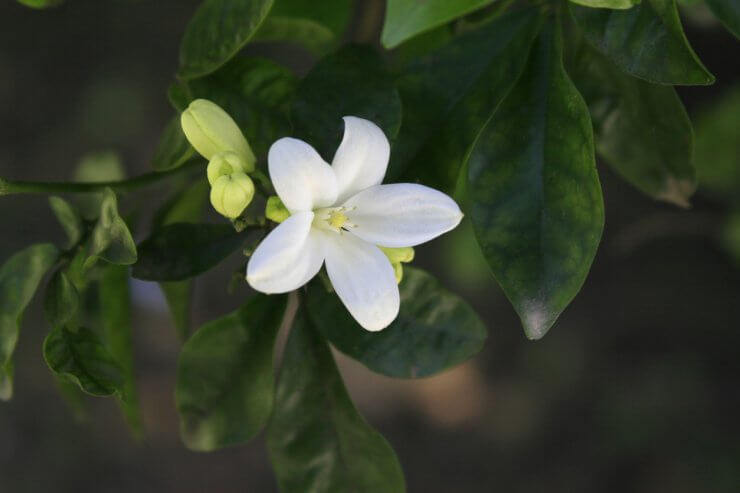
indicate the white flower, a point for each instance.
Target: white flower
{"x":340,"y":214}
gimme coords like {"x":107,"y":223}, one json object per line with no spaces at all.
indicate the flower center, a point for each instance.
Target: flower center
{"x":337,"y":219}
{"x":333,"y":218}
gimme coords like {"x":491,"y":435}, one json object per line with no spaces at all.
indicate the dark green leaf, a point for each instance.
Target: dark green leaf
{"x":256,"y":94}
{"x":20,"y":276}
{"x":179,"y":96}
{"x":173,"y":149}
{"x":646,"y":41}
{"x":642,"y":129}
{"x":217,"y":31}
{"x":334,"y":14}
{"x":115,"y":307}
{"x":536,"y":202}
{"x":69,"y":219}
{"x":81,"y":358}
{"x":317,"y":440}
{"x":184,"y":250}
{"x":224,"y":387}
{"x":61,"y":301}
{"x":728,"y":12}
{"x":405,"y":19}
{"x":315,"y":37}
{"x":434,"y":331}
{"x":111,"y":239}
{"x":349,"y":82}
{"x":608,"y":4}
{"x":444,"y":113}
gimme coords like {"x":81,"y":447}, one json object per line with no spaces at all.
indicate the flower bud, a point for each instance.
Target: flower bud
{"x":210,"y":130}
{"x":398,"y":272}
{"x":275,"y":210}
{"x":231,"y":194}
{"x":396,"y":255}
{"x":224,"y":163}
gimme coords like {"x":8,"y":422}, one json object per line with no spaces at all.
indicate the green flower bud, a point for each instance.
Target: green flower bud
{"x":398,"y":271}
{"x":396,"y":255}
{"x":210,"y":130}
{"x":231,"y":194}
{"x":275,"y":210}
{"x":224,"y":163}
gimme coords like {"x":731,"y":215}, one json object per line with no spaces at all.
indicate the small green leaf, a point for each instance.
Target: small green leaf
{"x":224,"y":387}
{"x":349,"y":82}
{"x":111,"y":239}
{"x":608,"y":4}
{"x":173,"y":149}
{"x":435,"y":329}
{"x":61,"y":301}
{"x":20,"y":276}
{"x":536,"y":202}
{"x":646,"y":41}
{"x":217,"y":31}
{"x":728,"y":12}
{"x":317,"y":440}
{"x":444,"y":113}
{"x":315,"y":37}
{"x":184,"y":250}
{"x":68,"y":218}
{"x":81,"y":358}
{"x":405,"y":19}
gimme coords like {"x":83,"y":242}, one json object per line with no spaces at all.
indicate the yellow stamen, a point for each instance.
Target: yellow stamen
{"x":337,"y":219}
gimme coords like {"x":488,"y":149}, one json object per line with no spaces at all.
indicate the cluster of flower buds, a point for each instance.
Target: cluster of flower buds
{"x":215,"y":135}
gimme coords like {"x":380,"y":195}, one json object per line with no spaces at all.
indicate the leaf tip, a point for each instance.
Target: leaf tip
{"x":536,"y":320}
{"x":677,"y":191}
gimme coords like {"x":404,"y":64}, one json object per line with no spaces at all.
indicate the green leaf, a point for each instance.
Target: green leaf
{"x":111,"y":239}
{"x":405,"y":19}
{"x":334,"y":14}
{"x":646,"y":41}
{"x":224,"y":390}
{"x":68,"y":218}
{"x":444,"y":113}
{"x":20,"y":276}
{"x":435,"y":329}
{"x":40,"y":4}
{"x":184,"y":250}
{"x":115,"y":307}
{"x":256,"y":93}
{"x":218,"y":31}
{"x":349,"y":82}
{"x":728,"y":12}
{"x":81,"y":358}
{"x":317,"y":440}
{"x":642,"y":130}
{"x":62,"y":299}
{"x":536,"y":202}
{"x":173,"y":149}
{"x":608,"y":4}
{"x":315,"y":37}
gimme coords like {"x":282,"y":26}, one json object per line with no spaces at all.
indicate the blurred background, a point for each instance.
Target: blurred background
{"x":634,"y":389}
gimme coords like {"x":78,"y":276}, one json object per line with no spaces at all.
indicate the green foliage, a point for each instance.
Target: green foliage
{"x":62,"y":299}
{"x":217,"y":31}
{"x":536,"y":202}
{"x":727,"y":11}
{"x":20,"y":276}
{"x":315,"y":37}
{"x":646,"y":41}
{"x":69,"y":218}
{"x":314,"y":418}
{"x":608,"y":4}
{"x":173,"y":149}
{"x":334,"y":15}
{"x":435,"y":330}
{"x":224,"y":387}
{"x":111,"y":240}
{"x":40,"y":4}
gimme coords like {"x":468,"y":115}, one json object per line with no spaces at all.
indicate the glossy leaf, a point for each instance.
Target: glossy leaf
{"x":256,"y":94}
{"x":435,"y":329}
{"x":315,"y":37}
{"x":444,"y":113}
{"x":608,"y":4}
{"x":349,"y":82}
{"x":728,"y":12}
{"x":217,"y":31}
{"x":115,"y":309}
{"x":405,"y":19}
{"x":62,"y":299}
{"x":111,"y":240}
{"x":317,"y":440}
{"x":224,"y":390}
{"x":184,"y":250}
{"x":68,"y":218}
{"x":642,"y":130}
{"x":20,"y":276}
{"x":80,"y":357}
{"x":536,"y":202}
{"x":173,"y":149}
{"x":646,"y":41}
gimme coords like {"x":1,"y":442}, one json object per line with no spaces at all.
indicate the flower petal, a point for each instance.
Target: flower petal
{"x":401,"y":214}
{"x":302,"y":179}
{"x":362,"y":157}
{"x":364,"y":279}
{"x":288,"y":257}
